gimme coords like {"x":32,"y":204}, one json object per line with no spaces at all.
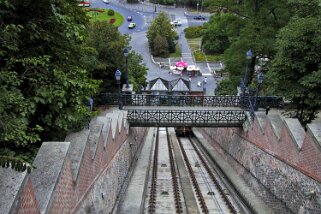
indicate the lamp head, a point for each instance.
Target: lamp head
{"x":249,"y":54}
{"x":125,"y":52}
{"x":117,"y":75}
{"x":260,"y":78}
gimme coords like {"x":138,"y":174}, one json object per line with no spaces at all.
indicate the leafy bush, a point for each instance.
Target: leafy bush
{"x":199,"y":56}
{"x":227,"y":86}
{"x":166,"y":2}
{"x":193,"y":32}
{"x":111,"y":12}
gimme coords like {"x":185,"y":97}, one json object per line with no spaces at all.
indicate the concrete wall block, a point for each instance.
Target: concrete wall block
{"x":49,"y":163}
{"x":296,"y":131}
{"x":276,"y":123}
{"x":93,"y":138}
{"x":314,"y":129}
{"x":11,"y":183}
{"x":76,"y":150}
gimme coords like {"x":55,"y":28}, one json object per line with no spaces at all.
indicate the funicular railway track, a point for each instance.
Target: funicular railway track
{"x":165,"y":194}
{"x":166,"y":181}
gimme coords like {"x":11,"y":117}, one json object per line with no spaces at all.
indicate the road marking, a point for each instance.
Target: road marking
{"x":209,"y":68}
{"x":206,"y":74}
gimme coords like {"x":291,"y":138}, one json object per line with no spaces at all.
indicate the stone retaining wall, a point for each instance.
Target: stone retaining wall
{"x":84,"y":174}
{"x":286,"y":167}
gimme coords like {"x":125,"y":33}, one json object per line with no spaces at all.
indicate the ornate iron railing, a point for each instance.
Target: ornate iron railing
{"x":188,"y":100}
{"x":195,"y":118}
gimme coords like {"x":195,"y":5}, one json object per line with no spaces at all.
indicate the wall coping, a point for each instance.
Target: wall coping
{"x":76,"y":150}
{"x":295,"y":130}
{"x":314,"y":129}
{"x":93,"y":138}
{"x":277,"y":124}
{"x":106,"y":128}
{"x":11,"y":182}
{"x":49,"y":163}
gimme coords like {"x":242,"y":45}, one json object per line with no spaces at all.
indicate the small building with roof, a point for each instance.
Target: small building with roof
{"x":177,"y":86}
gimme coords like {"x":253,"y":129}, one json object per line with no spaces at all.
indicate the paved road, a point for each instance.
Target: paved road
{"x":143,"y":14}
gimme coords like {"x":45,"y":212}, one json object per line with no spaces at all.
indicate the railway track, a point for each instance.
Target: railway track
{"x":170,"y":191}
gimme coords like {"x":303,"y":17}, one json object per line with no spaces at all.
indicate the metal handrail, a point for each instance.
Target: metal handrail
{"x":189,"y":100}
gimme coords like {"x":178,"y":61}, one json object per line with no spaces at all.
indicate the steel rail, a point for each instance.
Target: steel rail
{"x":214,"y":179}
{"x":194,"y":181}
{"x":179,"y":208}
{"x":239,"y":198}
{"x":152,"y":199}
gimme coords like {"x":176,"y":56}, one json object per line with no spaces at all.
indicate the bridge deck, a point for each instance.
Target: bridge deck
{"x":171,"y":117}
{"x":182,"y":108}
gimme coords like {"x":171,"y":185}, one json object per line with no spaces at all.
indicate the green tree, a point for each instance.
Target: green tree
{"x":160,"y":46}
{"x":46,"y":87}
{"x":220,"y":31}
{"x":137,"y":71}
{"x":161,"y":27}
{"x":260,"y":21}
{"x":107,"y":46}
{"x":296,"y":69}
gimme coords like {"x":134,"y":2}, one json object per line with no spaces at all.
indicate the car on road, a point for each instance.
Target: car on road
{"x":131,"y":25}
{"x":129,"y":18}
{"x":84,"y":4}
{"x":106,"y":1}
{"x":199,"y":17}
{"x":176,"y":23}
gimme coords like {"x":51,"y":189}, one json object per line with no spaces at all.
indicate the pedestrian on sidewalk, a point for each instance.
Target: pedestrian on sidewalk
{"x":205,"y":80}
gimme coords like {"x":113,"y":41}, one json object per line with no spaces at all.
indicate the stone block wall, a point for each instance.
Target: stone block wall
{"x":285,"y":162}
{"x":84,"y":174}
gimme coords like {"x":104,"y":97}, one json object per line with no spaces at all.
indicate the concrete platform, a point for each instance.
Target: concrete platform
{"x":134,"y":195}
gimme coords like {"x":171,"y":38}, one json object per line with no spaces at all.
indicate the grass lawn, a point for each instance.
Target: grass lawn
{"x":195,"y":46}
{"x":99,"y":14}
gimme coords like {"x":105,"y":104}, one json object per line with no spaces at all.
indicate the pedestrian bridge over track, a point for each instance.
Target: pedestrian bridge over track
{"x":182,"y":117}
{"x":187,"y":110}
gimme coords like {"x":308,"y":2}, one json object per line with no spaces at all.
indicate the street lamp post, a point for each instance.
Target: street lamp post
{"x":154,"y":9}
{"x":117,"y":77}
{"x":249,"y":56}
{"x":197,"y":5}
{"x":260,"y":78}
{"x":126,"y":74}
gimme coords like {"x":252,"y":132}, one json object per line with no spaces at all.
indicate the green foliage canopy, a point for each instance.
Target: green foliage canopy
{"x":46,"y":86}
{"x":108,"y":46}
{"x":296,"y":70}
{"x":245,"y":25}
{"x":161,"y":27}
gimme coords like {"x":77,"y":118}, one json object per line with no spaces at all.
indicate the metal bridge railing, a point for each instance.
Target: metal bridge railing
{"x":188,"y":100}
{"x":195,"y":118}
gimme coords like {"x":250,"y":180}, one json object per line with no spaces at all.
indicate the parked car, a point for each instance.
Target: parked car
{"x":106,"y":1}
{"x":129,"y":18}
{"x":84,"y":4}
{"x":199,"y":17}
{"x":132,"y":25}
{"x":176,"y":23}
